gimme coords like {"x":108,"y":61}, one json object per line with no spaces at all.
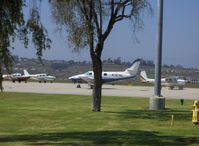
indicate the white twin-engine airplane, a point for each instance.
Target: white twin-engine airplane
{"x":170,"y":82}
{"x":16,"y":77}
{"x":40,"y":77}
{"x":107,"y":77}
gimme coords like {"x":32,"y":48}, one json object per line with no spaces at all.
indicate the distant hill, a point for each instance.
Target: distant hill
{"x":63,"y":69}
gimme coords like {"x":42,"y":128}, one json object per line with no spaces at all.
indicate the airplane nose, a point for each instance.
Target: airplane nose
{"x":70,"y":78}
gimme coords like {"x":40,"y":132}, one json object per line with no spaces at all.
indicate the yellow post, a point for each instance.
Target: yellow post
{"x":195,"y":110}
{"x":172,"y":120}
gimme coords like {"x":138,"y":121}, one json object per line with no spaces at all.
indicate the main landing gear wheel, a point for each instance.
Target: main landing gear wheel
{"x":78,"y":86}
{"x":91,"y":86}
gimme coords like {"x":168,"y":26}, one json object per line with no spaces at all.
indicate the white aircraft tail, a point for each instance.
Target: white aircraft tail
{"x":26,"y":72}
{"x":143,"y":76}
{"x":133,"y":70}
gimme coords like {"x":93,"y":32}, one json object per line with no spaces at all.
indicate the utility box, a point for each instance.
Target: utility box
{"x":195,"y":110}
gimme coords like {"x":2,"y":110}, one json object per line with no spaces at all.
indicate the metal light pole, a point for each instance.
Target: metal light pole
{"x":157,"y":101}
{"x":158,"y":62}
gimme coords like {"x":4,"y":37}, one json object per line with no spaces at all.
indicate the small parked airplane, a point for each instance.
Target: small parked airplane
{"x":170,"y":82}
{"x":40,"y":77}
{"x":6,"y":77}
{"x":130,"y":72}
{"x":16,"y":77}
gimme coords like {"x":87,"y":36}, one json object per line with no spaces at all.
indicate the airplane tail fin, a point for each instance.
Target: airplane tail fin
{"x":133,"y":70}
{"x":26,"y":72}
{"x":143,"y":76}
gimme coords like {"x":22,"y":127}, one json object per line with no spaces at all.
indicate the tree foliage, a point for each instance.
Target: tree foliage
{"x":13,"y":25}
{"x":89,"y":23}
{"x":74,"y":16}
{"x":38,"y":31}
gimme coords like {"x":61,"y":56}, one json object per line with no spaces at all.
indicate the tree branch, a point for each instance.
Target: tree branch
{"x":95,"y":18}
{"x":114,"y":18}
{"x":83,"y":8}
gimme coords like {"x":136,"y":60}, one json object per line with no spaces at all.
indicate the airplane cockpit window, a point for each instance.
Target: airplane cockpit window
{"x":16,"y":75}
{"x":172,"y":80}
{"x":89,"y":73}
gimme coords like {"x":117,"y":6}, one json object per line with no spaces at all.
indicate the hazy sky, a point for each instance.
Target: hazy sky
{"x":180,"y":37}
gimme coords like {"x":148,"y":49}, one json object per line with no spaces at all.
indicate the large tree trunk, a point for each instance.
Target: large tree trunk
{"x":1,"y":78}
{"x":97,"y":69}
{"x":97,"y":63}
{"x":1,"y":85}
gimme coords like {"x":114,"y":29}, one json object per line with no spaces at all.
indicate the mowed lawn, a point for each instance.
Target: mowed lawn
{"x":43,"y":119}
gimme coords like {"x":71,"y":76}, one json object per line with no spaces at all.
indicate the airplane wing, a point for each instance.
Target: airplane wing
{"x":90,"y":80}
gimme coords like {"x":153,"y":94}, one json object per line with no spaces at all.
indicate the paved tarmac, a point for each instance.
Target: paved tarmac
{"x":108,"y":90}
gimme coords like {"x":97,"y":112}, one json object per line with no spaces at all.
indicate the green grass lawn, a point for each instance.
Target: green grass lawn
{"x":42,"y":119}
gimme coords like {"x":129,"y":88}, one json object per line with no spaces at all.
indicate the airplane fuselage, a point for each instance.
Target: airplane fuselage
{"x":170,"y":82}
{"x":18,"y":77}
{"x":107,"y":76}
{"x":42,"y":77}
